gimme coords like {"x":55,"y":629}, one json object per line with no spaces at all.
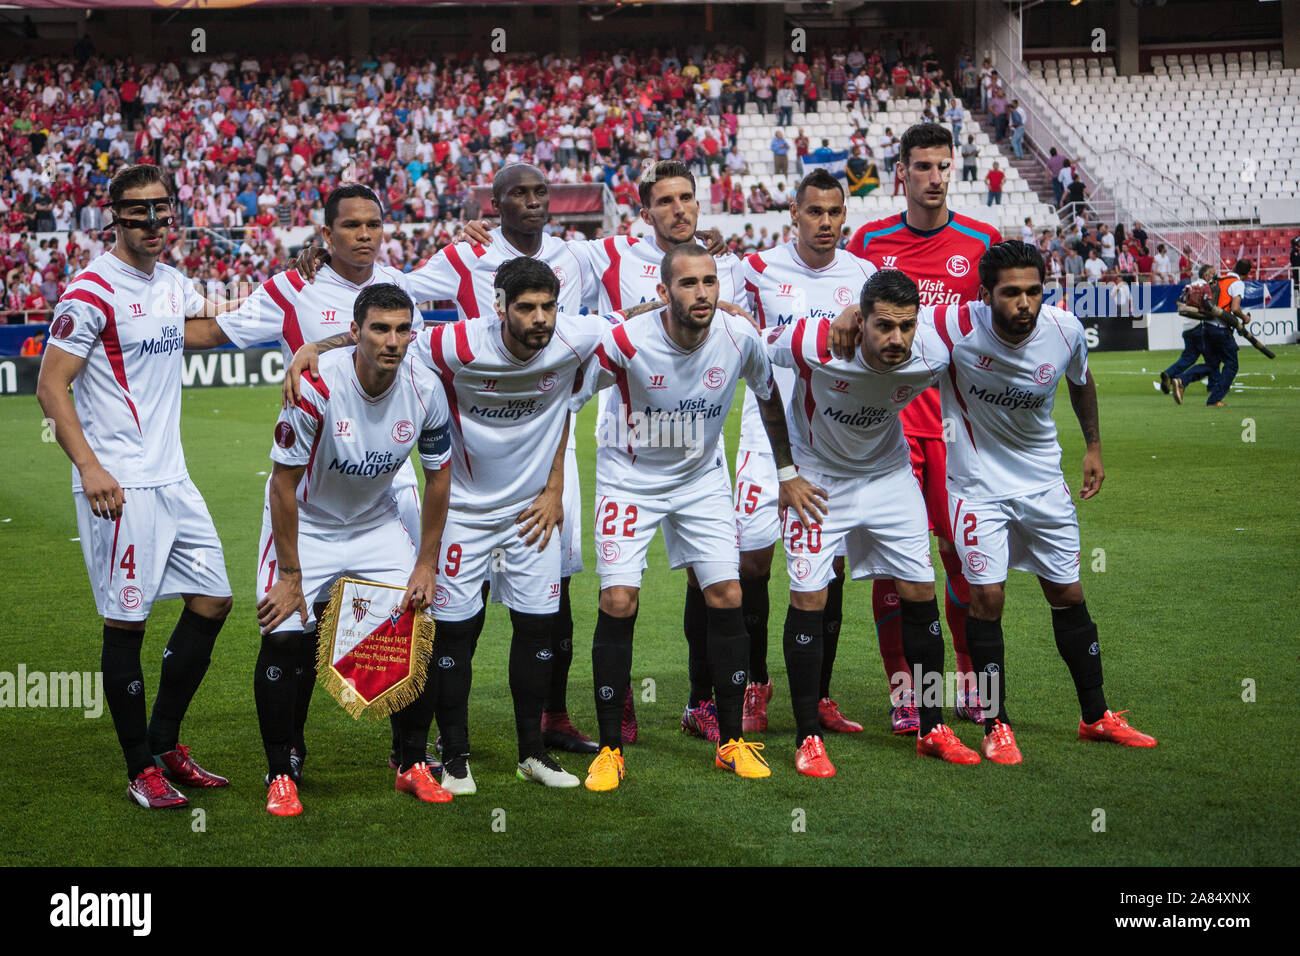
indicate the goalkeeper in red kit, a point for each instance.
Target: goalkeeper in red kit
{"x":940,"y":250}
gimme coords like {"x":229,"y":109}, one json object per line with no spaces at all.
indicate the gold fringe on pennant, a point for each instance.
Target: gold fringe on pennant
{"x":399,"y":695}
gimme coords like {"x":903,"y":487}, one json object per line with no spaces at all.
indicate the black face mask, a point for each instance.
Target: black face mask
{"x":160,"y":213}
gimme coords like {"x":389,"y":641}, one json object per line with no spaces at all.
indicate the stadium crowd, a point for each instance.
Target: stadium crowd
{"x":255,"y":144}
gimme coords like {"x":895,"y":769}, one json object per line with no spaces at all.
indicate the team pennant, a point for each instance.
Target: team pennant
{"x":373,"y":655}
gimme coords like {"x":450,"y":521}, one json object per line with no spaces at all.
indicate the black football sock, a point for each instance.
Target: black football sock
{"x":611,"y":668}
{"x":1076,"y":639}
{"x":453,"y":654}
{"x":274,"y":689}
{"x":754,"y":601}
{"x":530,"y":675}
{"x":728,"y":650}
{"x":412,"y":723}
{"x":185,"y":661}
{"x":831,"y":620}
{"x":695,"y":624}
{"x":305,"y":682}
{"x":557,"y":698}
{"x":124,"y":688}
{"x":987,"y":652}
{"x":923,"y":648}
{"x":803,"y":666}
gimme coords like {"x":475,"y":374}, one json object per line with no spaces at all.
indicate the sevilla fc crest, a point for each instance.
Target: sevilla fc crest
{"x":403,"y":432}
{"x":1044,"y":374}
{"x":958,"y":266}
{"x":547,"y":382}
{"x":976,"y":561}
{"x":715,"y":378}
{"x":843,"y":296}
{"x":902,"y":393}
{"x":359,"y":608}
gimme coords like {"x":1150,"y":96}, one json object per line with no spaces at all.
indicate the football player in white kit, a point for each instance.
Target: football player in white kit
{"x":810,"y":278}
{"x":1009,"y":503}
{"x":287,"y":309}
{"x":854,"y":486}
{"x":625,"y":271}
{"x":673,"y":375}
{"x":116,"y":339}
{"x":336,"y":452}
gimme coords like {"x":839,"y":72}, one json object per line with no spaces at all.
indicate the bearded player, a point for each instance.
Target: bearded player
{"x":296,"y":307}
{"x":1008,"y":499}
{"x":673,"y":375}
{"x":625,"y":270}
{"x":938,"y":248}
{"x":116,"y":341}
{"x":337,"y":450}
{"x":854,"y":486}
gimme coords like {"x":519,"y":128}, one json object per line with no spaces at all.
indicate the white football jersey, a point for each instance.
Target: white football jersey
{"x":843,"y":415}
{"x":625,"y":270}
{"x":662,"y":425}
{"x":779,"y":288}
{"x":130,"y":329}
{"x":1001,"y":398}
{"x":353,"y":444}
{"x":507,"y":415}
{"x":465,"y":272}
{"x":287,"y":309}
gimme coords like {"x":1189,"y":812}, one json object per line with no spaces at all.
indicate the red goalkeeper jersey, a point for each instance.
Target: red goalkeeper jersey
{"x":944,"y":264}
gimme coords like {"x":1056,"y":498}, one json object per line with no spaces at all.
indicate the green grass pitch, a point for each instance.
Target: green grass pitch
{"x":1200,"y":567}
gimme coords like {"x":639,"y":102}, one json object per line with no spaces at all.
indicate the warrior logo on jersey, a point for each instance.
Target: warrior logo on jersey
{"x":649,"y":272}
{"x":785,"y":291}
{"x":984,"y":361}
{"x":343,"y":428}
{"x":976,"y":561}
{"x":329,"y":315}
{"x":958,"y":266}
{"x":843,"y":295}
{"x":715,"y":378}
{"x":656,"y":381}
{"x":1044,"y":374}
{"x":890,"y":262}
{"x":489,"y":385}
{"x":403,"y":432}
{"x":284,"y":436}
{"x":609,"y":550}
{"x":359,"y":608}
{"x":840,"y":386}
{"x":62,"y":327}
{"x":902,"y":393}
{"x":547,"y":382}
{"x":137,"y":310}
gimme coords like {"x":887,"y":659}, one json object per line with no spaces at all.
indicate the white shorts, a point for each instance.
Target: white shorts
{"x":383,"y":553}
{"x":571,"y":532}
{"x":477,"y":548}
{"x":163,"y":546}
{"x":758,"y":513}
{"x":1037,"y":533}
{"x":697,"y":531}
{"x":881,"y":521}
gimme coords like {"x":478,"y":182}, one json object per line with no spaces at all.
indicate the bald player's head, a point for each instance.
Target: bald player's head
{"x":521,"y":197}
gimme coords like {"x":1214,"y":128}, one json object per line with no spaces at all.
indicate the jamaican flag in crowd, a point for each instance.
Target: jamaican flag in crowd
{"x":862,"y":175}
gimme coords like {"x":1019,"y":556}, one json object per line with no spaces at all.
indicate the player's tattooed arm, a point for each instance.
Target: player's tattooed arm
{"x":310,"y":258}
{"x":1084,"y":399}
{"x":642,"y":307}
{"x":846,"y":333}
{"x":305,"y":359}
{"x":546,"y":514}
{"x":421,"y":585}
{"x":808,"y":500}
{"x":58,"y":370}
{"x":285,"y":596}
